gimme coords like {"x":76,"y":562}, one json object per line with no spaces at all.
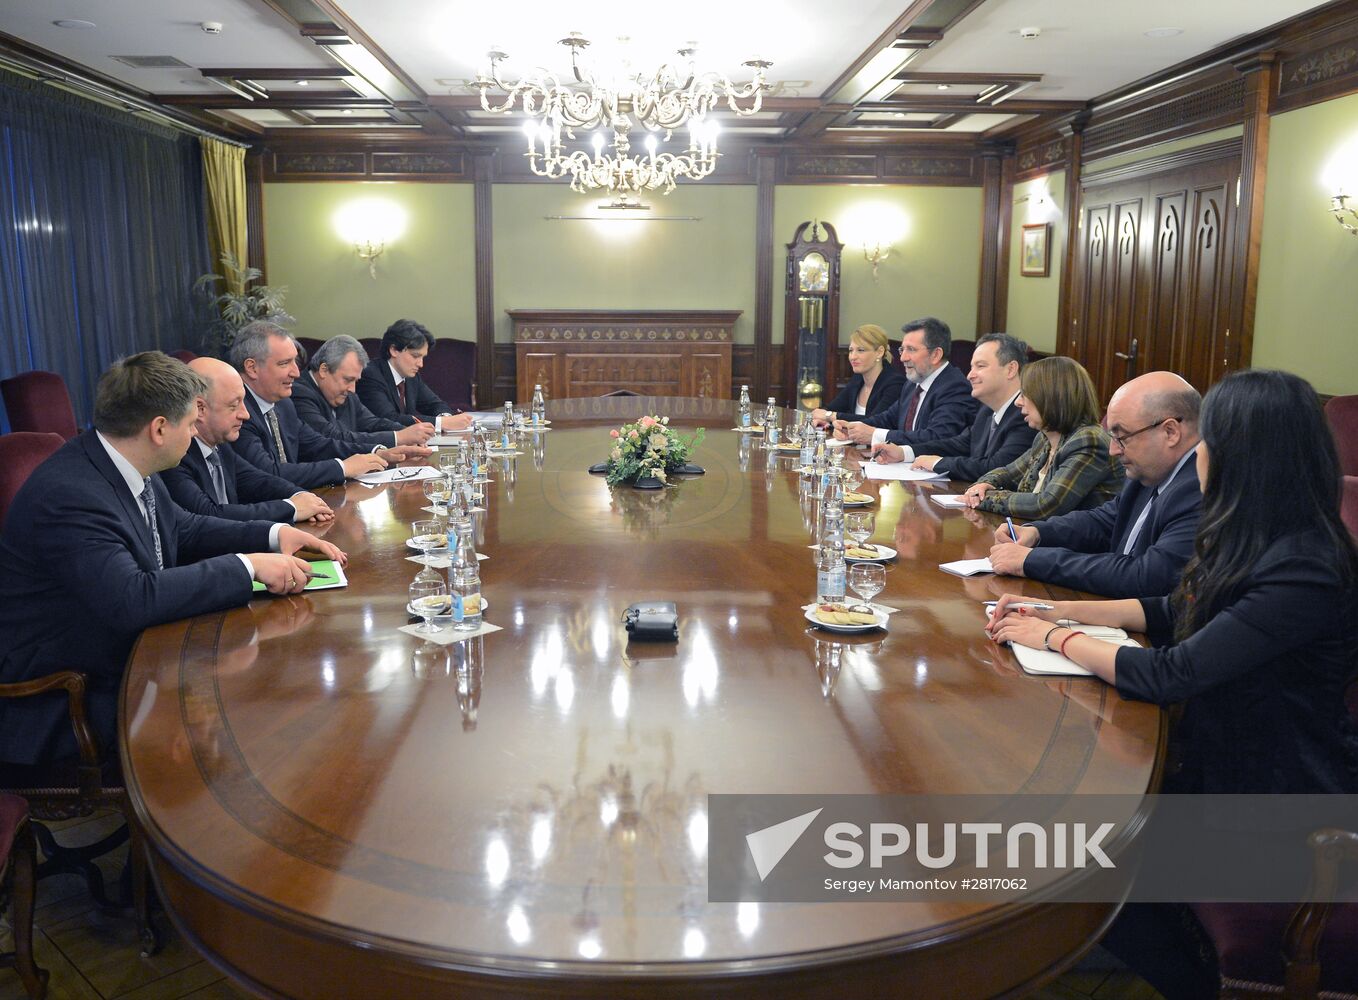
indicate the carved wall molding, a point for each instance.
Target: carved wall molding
{"x":366,"y":164}
{"x":1033,"y":161}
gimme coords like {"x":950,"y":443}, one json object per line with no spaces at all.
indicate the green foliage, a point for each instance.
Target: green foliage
{"x":234,"y":310}
{"x":648,"y":448}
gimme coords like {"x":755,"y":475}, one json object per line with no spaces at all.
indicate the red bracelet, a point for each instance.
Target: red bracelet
{"x":1067,"y":639}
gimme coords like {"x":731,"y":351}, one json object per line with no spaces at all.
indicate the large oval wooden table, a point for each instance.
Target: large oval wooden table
{"x":336,"y":809}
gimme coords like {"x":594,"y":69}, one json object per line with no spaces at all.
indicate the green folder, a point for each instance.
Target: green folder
{"x":328,"y":575}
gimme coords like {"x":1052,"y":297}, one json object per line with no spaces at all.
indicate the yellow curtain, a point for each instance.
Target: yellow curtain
{"x":224,"y":168}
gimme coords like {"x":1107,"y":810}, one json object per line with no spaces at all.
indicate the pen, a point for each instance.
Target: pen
{"x":1012,"y":533}
{"x":1031,"y":605}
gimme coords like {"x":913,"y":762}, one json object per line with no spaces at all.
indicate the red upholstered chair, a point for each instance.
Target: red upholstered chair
{"x":1348,"y":507}
{"x":450,"y":370}
{"x":309,"y":345}
{"x":38,"y":401}
{"x":183,"y":355}
{"x":1342,"y":414}
{"x":17,"y":865}
{"x":21,"y":453}
{"x":959,"y":356}
{"x":373,"y":345}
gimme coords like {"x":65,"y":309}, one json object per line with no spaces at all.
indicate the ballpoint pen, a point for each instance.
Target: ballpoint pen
{"x":1012,"y":533}
{"x":1031,"y":605}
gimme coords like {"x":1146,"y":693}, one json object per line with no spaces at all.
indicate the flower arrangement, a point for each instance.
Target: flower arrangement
{"x":648,"y":449}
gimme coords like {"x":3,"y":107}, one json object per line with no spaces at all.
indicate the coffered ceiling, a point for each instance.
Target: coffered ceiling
{"x":859,"y":68}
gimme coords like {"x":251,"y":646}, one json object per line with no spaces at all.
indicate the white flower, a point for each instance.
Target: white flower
{"x":658,"y":441}
{"x":659,"y":473}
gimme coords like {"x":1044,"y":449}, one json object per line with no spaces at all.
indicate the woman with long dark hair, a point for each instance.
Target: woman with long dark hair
{"x":1260,"y":638}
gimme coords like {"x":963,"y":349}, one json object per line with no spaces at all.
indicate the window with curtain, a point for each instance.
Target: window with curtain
{"x":102,"y":234}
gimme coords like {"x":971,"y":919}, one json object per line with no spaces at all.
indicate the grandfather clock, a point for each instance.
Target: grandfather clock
{"x":811,"y":315}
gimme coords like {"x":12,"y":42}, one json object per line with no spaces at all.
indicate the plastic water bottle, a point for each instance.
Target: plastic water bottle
{"x":830,"y":571}
{"x":771,"y":424}
{"x":464,"y":581}
{"x":808,"y":455}
{"x":539,"y":407}
{"x":819,"y":465}
{"x":746,"y":414}
{"x":508,"y":426}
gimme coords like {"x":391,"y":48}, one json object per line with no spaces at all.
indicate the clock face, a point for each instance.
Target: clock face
{"x":813,"y":273}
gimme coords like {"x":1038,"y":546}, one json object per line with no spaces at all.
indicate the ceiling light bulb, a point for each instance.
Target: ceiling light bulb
{"x":74,"y":22}
{"x":945,"y":86}
{"x":1164,"y":32}
{"x":304,"y":83}
{"x":347,"y":111}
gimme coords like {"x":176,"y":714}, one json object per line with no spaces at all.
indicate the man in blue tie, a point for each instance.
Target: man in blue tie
{"x":936,"y":401}
{"x":1136,"y":544}
{"x":94,"y":551}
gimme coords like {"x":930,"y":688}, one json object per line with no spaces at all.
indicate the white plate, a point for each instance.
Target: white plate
{"x":861,"y":503}
{"x":884,"y":553}
{"x":445,"y":615}
{"x":411,"y":545}
{"x":810,"y":615}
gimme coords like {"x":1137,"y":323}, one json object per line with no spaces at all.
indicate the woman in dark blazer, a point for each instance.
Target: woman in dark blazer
{"x":1258,"y":642}
{"x":875,"y":385}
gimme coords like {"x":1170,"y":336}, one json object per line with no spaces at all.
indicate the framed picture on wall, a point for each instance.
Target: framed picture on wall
{"x":1035,"y":260}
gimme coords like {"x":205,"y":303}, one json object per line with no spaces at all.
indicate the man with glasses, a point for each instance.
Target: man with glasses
{"x":935,"y":403}
{"x":1136,"y":544}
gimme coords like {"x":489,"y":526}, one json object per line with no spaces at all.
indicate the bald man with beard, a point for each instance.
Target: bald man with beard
{"x":212,"y":479}
{"x":1136,"y":544}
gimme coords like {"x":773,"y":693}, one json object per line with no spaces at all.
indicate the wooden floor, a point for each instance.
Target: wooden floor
{"x":94,"y":955}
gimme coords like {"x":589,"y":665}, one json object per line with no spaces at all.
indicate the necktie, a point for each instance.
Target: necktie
{"x":989,"y":437}
{"x":148,"y":501}
{"x":272,"y":419}
{"x":911,"y":410}
{"x":401,"y":394}
{"x":1140,"y":523}
{"x":214,"y":466}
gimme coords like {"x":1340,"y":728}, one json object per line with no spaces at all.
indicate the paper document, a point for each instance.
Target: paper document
{"x":398,"y":475}
{"x":948,"y":499}
{"x":901,"y":472}
{"x":967,"y":567}
{"x":1044,"y":662}
{"x":326,"y":575}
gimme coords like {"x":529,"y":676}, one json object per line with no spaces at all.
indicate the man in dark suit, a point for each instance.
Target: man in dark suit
{"x":997,"y":436}
{"x":326,"y":401}
{"x":1136,"y":544}
{"x":274,"y":438}
{"x":392,"y":388}
{"x":95,"y":551}
{"x":937,"y":402}
{"x":213,"y":479}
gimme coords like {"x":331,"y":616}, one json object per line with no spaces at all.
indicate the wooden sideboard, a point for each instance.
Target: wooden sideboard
{"x":573,"y":353}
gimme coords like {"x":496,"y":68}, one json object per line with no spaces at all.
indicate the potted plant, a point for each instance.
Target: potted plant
{"x":235,"y":309}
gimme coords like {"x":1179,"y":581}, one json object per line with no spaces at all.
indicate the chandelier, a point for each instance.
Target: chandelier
{"x":668,"y":99}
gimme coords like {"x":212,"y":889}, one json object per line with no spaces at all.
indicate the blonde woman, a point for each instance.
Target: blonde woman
{"x":1069,"y":466}
{"x":875,"y":385}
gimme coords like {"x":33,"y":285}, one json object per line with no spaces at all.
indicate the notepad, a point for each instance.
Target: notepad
{"x":1046,"y":663}
{"x":398,"y":476}
{"x":327,"y":575}
{"x":948,"y":499}
{"x":967,"y":567}
{"x":901,"y":472}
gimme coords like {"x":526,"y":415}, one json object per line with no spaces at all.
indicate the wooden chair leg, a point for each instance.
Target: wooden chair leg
{"x":24,"y":858}
{"x":140,"y":871}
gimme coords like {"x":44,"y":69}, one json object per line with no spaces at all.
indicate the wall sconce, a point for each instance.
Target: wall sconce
{"x":368,"y":225}
{"x":1343,"y":214}
{"x":876,"y":255}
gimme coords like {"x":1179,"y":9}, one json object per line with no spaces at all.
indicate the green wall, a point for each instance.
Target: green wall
{"x":624,"y":263}
{"x":426,"y":274}
{"x":1302,"y":322}
{"x":1034,"y":302}
{"x":934,"y":267}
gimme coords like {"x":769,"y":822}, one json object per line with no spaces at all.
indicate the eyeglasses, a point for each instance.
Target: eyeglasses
{"x":1122,"y":439}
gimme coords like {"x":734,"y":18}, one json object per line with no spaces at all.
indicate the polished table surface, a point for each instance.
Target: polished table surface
{"x":336,"y":807}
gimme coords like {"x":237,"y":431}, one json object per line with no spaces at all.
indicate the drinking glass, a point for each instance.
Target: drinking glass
{"x":427,"y":598}
{"x":867,"y":580}
{"x":858,"y":525}
{"x":448,"y":458}
{"x":436,"y":492}
{"x":425,"y":536}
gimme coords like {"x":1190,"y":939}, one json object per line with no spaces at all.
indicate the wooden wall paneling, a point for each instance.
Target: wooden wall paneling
{"x":483,"y":250}
{"x":254,"y":211}
{"x":1165,"y":305}
{"x":1260,"y":82}
{"x":1319,"y":63}
{"x":1203,"y":350}
{"x":766,"y":168}
{"x":1124,"y":304}
{"x":1091,"y":277}
{"x":504,"y":378}
{"x":742,"y":370}
{"x":1073,"y":132}
{"x":992,"y":235}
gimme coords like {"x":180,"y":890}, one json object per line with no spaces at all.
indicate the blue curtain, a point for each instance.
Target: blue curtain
{"x":102,"y":233}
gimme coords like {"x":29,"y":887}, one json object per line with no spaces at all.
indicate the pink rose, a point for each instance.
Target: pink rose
{"x":647,"y":423}
{"x":612,"y":433}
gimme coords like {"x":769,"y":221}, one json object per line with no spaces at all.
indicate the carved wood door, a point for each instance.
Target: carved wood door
{"x":1152,"y":275}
